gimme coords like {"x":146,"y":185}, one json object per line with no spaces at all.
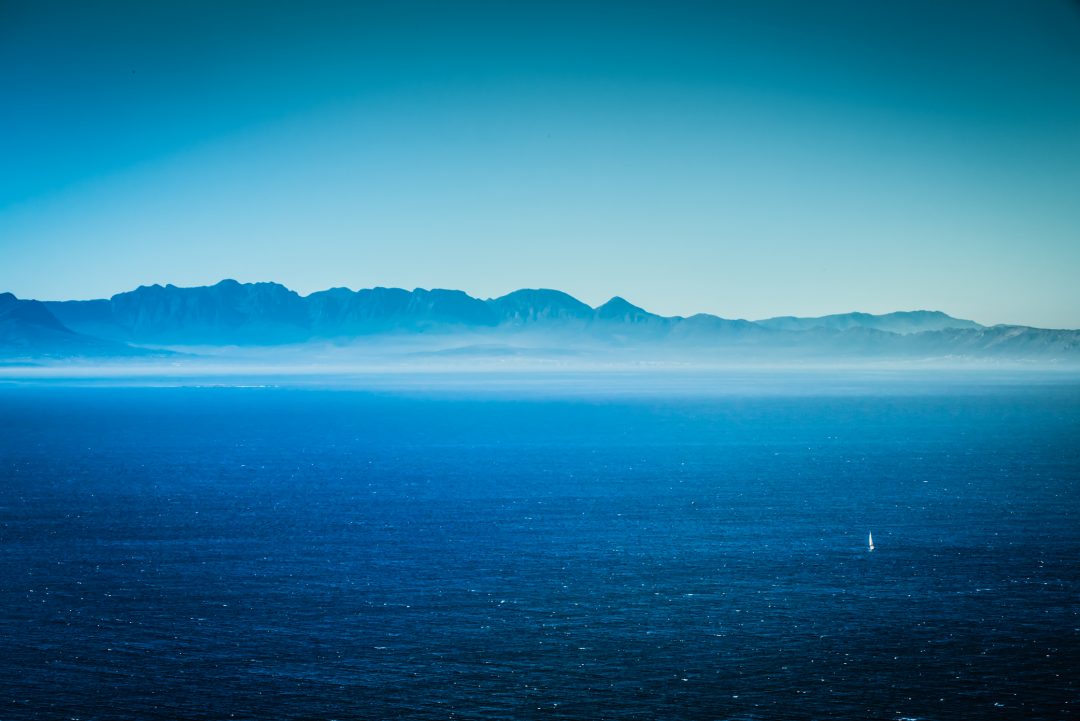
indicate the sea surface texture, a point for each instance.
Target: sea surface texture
{"x":284,"y":553}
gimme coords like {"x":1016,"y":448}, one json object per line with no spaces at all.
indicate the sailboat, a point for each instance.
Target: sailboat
{"x":871,"y":542}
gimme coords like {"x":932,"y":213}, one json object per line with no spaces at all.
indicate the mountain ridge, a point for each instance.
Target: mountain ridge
{"x":230,"y":313}
{"x":149,"y":309}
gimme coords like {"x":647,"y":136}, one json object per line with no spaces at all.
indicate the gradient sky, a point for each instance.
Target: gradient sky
{"x":748,"y":159}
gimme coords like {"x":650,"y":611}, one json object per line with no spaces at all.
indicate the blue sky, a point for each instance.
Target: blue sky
{"x":746,"y":159}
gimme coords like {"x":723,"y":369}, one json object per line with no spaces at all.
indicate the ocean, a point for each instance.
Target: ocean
{"x":292,"y":552}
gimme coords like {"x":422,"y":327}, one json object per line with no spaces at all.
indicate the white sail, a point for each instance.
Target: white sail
{"x":871,"y":541}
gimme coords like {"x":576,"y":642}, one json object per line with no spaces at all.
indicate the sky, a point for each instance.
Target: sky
{"x":748,"y":159}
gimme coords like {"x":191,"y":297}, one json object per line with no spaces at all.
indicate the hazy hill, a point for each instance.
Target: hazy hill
{"x":28,"y":329}
{"x":912,"y":321}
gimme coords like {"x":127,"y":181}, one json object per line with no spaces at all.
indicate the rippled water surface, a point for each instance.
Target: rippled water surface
{"x":284,"y":554}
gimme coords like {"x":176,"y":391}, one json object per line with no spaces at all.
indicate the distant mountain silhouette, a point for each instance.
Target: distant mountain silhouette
{"x":341,"y":312}
{"x":912,"y":321}
{"x":269,"y":314}
{"x":228,"y":313}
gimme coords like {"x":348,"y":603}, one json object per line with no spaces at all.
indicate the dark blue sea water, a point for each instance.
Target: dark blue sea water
{"x":275,"y":553}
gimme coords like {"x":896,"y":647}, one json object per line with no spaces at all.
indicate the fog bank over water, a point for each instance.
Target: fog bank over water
{"x":571,"y":381}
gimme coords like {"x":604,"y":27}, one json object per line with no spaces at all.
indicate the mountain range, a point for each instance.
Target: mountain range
{"x":228,"y":314}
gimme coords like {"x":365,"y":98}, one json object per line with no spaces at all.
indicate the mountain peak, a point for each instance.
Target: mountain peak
{"x":530,"y":305}
{"x":618,"y":308}
{"x":617,"y":302}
